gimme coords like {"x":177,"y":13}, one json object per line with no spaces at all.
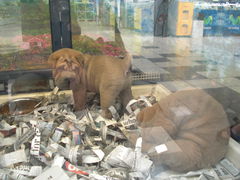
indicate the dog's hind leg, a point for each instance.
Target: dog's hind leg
{"x":125,"y":96}
{"x":79,"y":99}
{"x":79,"y":95}
{"x":107,"y":99}
{"x":185,"y":157}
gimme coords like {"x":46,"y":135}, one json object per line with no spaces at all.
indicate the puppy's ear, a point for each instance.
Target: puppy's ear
{"x":54,"y":57}
{"x":52,"y":60}
{"x":82,"y":59}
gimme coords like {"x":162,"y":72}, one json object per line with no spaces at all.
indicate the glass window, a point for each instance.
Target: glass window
{"x":189,"y":49}
{"x":147,"y":89}
{"x":25,"y":38}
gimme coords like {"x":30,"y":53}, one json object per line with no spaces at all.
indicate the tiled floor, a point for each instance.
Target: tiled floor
{"x":177,"y":85}
{"x":209,"y":63}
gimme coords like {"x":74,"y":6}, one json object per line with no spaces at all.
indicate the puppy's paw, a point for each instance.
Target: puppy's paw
{"x":78,"y":107}
{"x":106,"y":114}
{"x":147,"y":114}
{"x":144,"y":115}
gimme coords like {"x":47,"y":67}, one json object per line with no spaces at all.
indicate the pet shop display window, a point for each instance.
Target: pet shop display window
{"x":25,"y":39}
{"x":30,"y":31}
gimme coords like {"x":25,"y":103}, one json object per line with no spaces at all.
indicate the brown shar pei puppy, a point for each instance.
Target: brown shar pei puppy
{"x":190,"y":126}
{"x":106,"y":75}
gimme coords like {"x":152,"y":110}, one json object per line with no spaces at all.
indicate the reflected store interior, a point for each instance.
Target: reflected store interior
{"x":143,"y":89}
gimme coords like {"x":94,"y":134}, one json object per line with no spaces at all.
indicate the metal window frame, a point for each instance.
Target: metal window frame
{"x":60,"y":22}
{"x":60,"y":25}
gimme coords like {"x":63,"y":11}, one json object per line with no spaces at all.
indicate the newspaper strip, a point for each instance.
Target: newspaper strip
{"x":146,"y":100}
{"x":7,"y":141}
{"x":136,"y":175}
{"x":24,"y":138}
{"x":8,"y":132}
{"x":132,"y":106}
{"x":118,"y":156}
{"x":114,"y":112}
{"x":6,"y":129}
{"x":115,"y":134}
{"x":192,"y":174}
{"x":137,"y":151}
{"x":71,"y":168}
{"x":76,"y":138}
{"x":93,"y":158}
{"x":27,"y":170}
{"x":67,"y":142}
{"x":47,"y":128}
{"x":4,"y":174}
{"x":74,"y":177}
{"x":229,"y":166}
{"x":55,"y":90}
{"x":25,"y":128}
{"x":128,"y":120}
{"x":60,"y":149}
{"x":120,"y":173}
{"x":108,"y":122}
{"x":73,"y":154}
{"x":53,"y":173}
{"x":13,"y":158}
{"x":5,"y":125}
{"x":57,"y":134}
{"x":58,"y":161}
{"x":35,"y":145}
{"x":222,"y":172}
{"x":206,"y":177}
{"x":16,"y":176}
{"x":122,"y":156}
{"x":100,"y":177}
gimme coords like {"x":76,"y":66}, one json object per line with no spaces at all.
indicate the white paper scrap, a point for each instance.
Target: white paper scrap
{"x":53,"y":173}
{"x":13,"y":158}
{"x":28,"y":170}
{"x":7,"y":141}
{"x":161,"y":148}
{"x":99,"y":153}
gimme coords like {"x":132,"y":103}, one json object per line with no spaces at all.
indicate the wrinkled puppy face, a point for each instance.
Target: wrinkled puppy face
{"x":67,"y":65}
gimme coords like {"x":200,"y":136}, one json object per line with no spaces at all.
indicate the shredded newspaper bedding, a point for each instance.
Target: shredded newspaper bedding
{"x":53,"y":142}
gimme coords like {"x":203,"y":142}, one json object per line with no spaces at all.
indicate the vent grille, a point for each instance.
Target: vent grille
{"x":145,"y":76}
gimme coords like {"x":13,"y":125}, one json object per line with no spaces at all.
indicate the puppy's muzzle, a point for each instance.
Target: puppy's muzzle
{"x":63,"y":83}
{"x":62,"y":79}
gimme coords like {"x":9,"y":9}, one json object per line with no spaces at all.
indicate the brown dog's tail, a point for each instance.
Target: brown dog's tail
{"x":127,"y":61}
{"x":119,"y":40}
{"x":118,"y":37}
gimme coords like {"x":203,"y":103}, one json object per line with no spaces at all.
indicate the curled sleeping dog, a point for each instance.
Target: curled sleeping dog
{"x":190,"y":125}
{"x":106,"y":75}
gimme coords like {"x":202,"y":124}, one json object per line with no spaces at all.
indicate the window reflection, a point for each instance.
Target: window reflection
{"x":25,"y":34}
{"x":188,"y":49}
